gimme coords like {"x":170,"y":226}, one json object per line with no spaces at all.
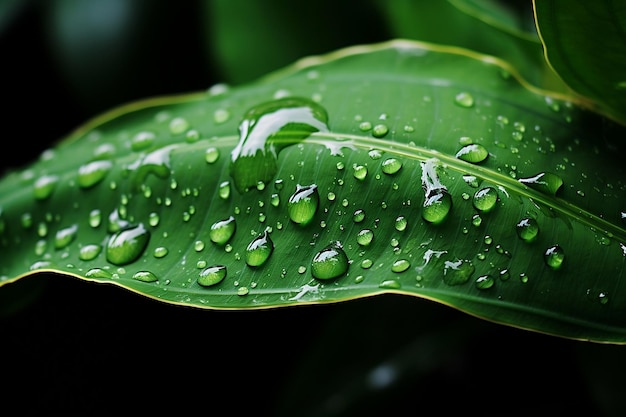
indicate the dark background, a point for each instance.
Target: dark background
{"x":69,"y":347}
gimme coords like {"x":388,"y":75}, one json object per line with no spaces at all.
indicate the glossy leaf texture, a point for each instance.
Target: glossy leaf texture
{"x":401,"y":167}
{"x":585,"y":44}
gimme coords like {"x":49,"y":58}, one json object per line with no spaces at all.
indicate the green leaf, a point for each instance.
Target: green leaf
{"x":400,"y":167}
{"x":485,"y":26}
{"x":585,"y":43}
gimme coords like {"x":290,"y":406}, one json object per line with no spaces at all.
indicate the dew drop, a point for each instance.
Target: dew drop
{"x":145,"y":276}
{"x":331,"y":262}
{"x":142,"y":140}
{"x":380,"y":130}
{"x":127,"y":245}
{"x":473,"y":153}
{"x":98,"y":273}
{"x":457,"y":272}
{"x":554,"y":256}
{"x":65,"y":236}
{"x":484,"y":282}
{"x":303,"y":204}
{"x":401,"y":223}
{"x":365,"y":237}
{"x":359,"y":216}
{"x":485,"y":199}
{"x":400,"y":265}
{"x":390,"y":284}
{"x":359,"y":172}
{"x":224,"y":190}
{"x":464,"y":99}
{"x":546,"y":182}
{"x":212,"y":275}
{"x":391,"y":166}
{"x":89,"y":252}
{"x":93,"y":172}
{"x":527,"y":229}
{"x":160,"y":252}
{"x":178,"y":125}
{"x":436,"y":207}
{"x":242,"y":291}
{"x":44,"y":186}
{"x":211,"y":155}
{"x":222,"y":231}
{"x":268,"y":128}
{"x":259,"y":250}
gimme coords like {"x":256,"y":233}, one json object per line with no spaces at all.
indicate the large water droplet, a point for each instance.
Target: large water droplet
{"x":457,"y":272}
{"x":145,"y":276}
{"x":485,"y":199}
{"x":89,"y":252}
{"x":93,"y":172}
{"x":527,"y":229}
{"x":259,"y":250}
{"x":391,"y":165}
{"x":65,"y":236}
{"x":464,"y":99}
{"x":365,"y":237}
{"x":303,"y":204}
{"x":554,"y":256}
{"x":221,"y":231}
{"x":127,"y":245}
{"x":331,"y":262}
{"x":400,"y":265}
{"x":212,"y":275}
{"x":546,"y":182}
{"x":473,"y":153}
{"x":265,"y":130}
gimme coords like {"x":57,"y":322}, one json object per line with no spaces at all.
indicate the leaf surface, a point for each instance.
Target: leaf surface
{"x":400,"y":167}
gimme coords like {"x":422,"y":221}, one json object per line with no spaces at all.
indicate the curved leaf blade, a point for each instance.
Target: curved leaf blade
{"x":584,"y":43}
{"x":157,"y":172}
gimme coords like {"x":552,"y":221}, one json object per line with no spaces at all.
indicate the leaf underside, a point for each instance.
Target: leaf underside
{"x":160,"y":172}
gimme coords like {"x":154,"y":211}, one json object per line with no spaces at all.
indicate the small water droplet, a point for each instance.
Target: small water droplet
{"x":401,"y":223}
{"x":93,"y":172}
{"x":259,"y":250}
{"x":400,"y":265}
{"x":222,"y":231}
{"x":241,"y":291}
{"x":44,"y":186}
{"x":365,"y":237}
{"x":359,"y":172}
{"x":160,"y":252}
{"x":211,"y":155}
{"x":268,"y":128}
{"x":359,"y":216}
{"x":485,"y":199}
{"x":527,"y":229}
{"x":484,"y":282}
{"x":98,"y":273}
{"x":436,"y":207}
{"x":391,"y":166}
{"x":390,"y":284}
{"x":145,"y":276}
{"x":178,"y":125}
{"x":464,"y":99}
{"x":142,"y":140}
{"x":127,"y":245}
{"x":65,"y":236}
{"x":331,"y":262}
{"x":380,"y":130}
{"x":89,"y":252}
{"x":473,"y":153}
{"x":554,"y":256}
{"x":546,"y":182}
{"x":303,"y":204}
{"x":212,"y":275}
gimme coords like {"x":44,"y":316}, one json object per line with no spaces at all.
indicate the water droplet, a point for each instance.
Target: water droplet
{"x":437,"y":201}
{"x":268,"y":128}
{"x":241,"y":291}
{"x":221,"y":116}
{"x":484,"y":282}
{"x":477,"y":220}
{"x":359,"y":216}
{"x":222,"y":231}
{"x":464,"y":99}
{"x":391,"y":165}
{"x":546,"y":182}
{"x":224,"y":190}
{"x":365,"y":126}
{"x":401,"y":223}
{"x":485,"y":199}
{"x":65,"y":236}
{"x":198,"y":245}
{"x":457,"y":272}
{"x":303,"y":204}
{"x":473,"y":153}
{"x":145,"y":276}
{"x":365,"y":237}
{"x":331,"y":262}
{"x":527,"y":229}
{"x":505,"y":274}
{"x":93,"y":172}
{"x":160,"y":252}
{"x":375,"y":154}
{"x":400,"y":265}
{"x":89,"y":252}
{"x":142,"y":140}
{"x":554,"y":256}
{"x":211,"y":155}
{"x":390,"y":284}
{"x":44,"y":186}
{"x":95,"y":218}
{"x":156,"y":163}
{"x":98,"y":273}
{"x":380,"y":130}
{"x":212,"y":275}
{"x":436,"y":207}
{"x":259,"y":250}
{"x":359,"y":172}
{"x":178,"y":125}
{"x":127,"y":245}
